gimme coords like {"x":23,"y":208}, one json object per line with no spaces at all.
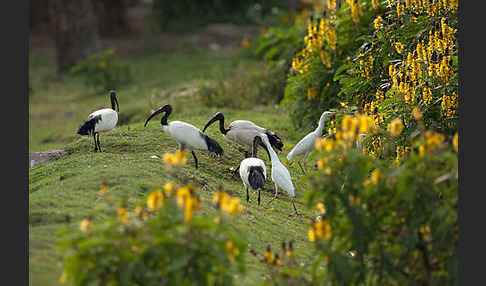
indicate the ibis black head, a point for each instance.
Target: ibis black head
{"x":114,"y":100}
{"x":218,"y":116}
{"x":166,"y":108}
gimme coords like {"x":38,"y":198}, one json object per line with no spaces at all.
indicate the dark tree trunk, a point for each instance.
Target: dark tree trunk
{"x":112,"y":17}
{"x":74,"y":26}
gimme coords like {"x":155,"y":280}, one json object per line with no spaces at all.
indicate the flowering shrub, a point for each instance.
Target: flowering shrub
{"x":162,"y":241}
{"x":102,"y":72}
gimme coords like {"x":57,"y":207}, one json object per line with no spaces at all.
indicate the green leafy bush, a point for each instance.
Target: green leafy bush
{"x":102,"y":72}
{"x":161,"y":242}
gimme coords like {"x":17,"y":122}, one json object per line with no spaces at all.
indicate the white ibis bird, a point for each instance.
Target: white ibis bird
{"x":102,"y":120}
{"x":306,"y":144}
{"x":253,"y":172}
{"x":243,"y":132}
{"x":187,"y":135}
{"x":280,"y":175}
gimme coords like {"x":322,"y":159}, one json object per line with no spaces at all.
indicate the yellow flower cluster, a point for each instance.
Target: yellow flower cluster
{"x":228,"y":204}
{"x":374,"y":178}
{"x":271,"y":259}
{"x":395,"y":127}
{"x":455,"y":142}
{"x":449,"y":105}
{"x":141,"y":212}
{"x":187,"y":199}
{"x":177,"y":159}
{"x":231,"y":250}
{"x":378,"y":22}
{"x":433,"y":140}
{"x":319,"y":229}
{"x":401,"y":153}
{"x":312,"y":92}
{"x":353,"y":200}
{"x":86,"y":225}
{"x":375,"y":4}
{"x":155,"y":200}
{"x":325,"y":57}
{"x":366,"y":66}
{"x":355,"y":10}
{"x":321,"y":209}
{"x":103,"y":189}
{"x":123,"y":215}
{"x":427,"y":95}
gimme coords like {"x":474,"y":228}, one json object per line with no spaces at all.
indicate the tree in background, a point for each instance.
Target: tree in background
{"x":74,"y":26}
{"x":112,"y":17}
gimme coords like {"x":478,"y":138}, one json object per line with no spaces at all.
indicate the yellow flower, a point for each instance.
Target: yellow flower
{"x":321,"y":209}
{"x":268,"y":255}
{"x":85,"y":225}
{"x":169,"y":159}
{"x":190,"y":206}
{"x":354,"y":200}
{"x":378,"y":22}
{"x":312,"y":93}
{"x":322,"y":228}
{"x":395,"y":127}
{"x":63,"y":279}
{"x":375,"y":176}
{"x":231,"y":250}
{"x":169,"y":188}
{"x":455,"y":142}
{"x":180,"y":157}
{"x":399,"y":47}
{"x":102,"y":64}
{"x":417,"y":114}
{"x":276,"y":261}
{"x":155,"y":200}
{"x":220,"y":198}
{"x":141,"y":213}
{"x":312,"y":234}
{"x":233,"y":207}
{"x":182,"y":194}
{"x":103,"y":189}
{"x":374,"y":3}
{"x":245,"y":43}
{"x":123,"y":215}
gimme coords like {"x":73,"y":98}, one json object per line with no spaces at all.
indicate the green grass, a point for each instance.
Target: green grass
{"x":69,"y":186}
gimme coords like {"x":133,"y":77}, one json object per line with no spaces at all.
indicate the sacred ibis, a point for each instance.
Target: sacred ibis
{"x":102,"y":120}
{"x":280,"y":174}
{"x":243,"y":132}
{"x":306,"y":144}
{"x":187,"y":135}
{"x":253,"y":172}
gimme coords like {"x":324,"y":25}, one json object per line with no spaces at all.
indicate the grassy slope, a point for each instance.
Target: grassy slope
{"x":69,"y":186}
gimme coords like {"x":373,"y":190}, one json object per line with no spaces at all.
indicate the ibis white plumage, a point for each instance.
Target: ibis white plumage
{"x":243,"y":132}
{"x":253,"y":172}
{"x":306,"y":145}
{"x":102,"y":120}
{"x":280,"y":175}
{"x":186,"y":135}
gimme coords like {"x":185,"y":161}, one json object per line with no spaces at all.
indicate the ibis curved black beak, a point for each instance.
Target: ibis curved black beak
{"x":114,"y":100}
{"x":218,"y":116}
{"x":166,"y":108}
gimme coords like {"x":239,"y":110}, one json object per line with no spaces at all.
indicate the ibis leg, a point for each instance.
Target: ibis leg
{"x":96,"y":145}
{"x":259,"y":196}
{"x":195,"y":158}
{"x":293,"y":204}
{"x":276,"y":192}
{"x":98,"y":140}
{"x":247,"y":195}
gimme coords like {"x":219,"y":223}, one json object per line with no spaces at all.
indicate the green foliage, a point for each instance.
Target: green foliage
{"x":189,"y":14}
{"x":102,"y":72}
{"x":152,"y":246}
{"x":242,"y":88}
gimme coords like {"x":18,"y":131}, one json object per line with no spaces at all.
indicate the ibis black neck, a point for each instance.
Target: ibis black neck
{"x":168,"y":111}
{"x":113,"y":101}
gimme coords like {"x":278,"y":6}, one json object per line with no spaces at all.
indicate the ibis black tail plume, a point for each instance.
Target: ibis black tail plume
{"x":274,"y":140}
{"x":213,"y":146}
{"x":88,"y":126}
{"x":256,"y":178}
